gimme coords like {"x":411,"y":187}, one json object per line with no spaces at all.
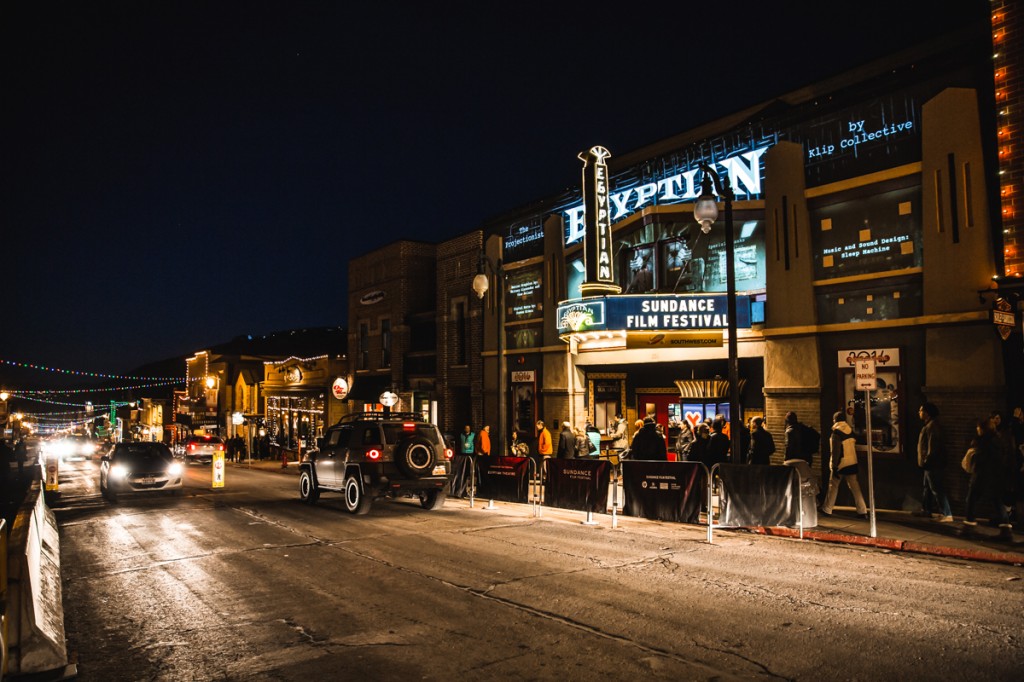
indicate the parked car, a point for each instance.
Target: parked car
{"x":200,"y":449}
{"x":368,"y":455}
{"x":139,"y":468}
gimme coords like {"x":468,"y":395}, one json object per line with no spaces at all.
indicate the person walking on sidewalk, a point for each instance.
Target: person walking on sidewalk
{"x":931,"y":457}
{"x":843,"y":449}
{"x":988,"y":480}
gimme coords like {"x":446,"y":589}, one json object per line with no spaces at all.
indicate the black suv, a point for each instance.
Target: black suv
{"x":376,"y":454}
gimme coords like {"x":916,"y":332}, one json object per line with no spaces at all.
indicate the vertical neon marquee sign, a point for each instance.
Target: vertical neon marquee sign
{"x":600,"y":277}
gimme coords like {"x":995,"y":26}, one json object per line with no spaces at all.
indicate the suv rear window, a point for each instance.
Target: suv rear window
{"x":395,"y":432}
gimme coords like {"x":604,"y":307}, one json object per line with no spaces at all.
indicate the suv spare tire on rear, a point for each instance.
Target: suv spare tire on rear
{"x":415,"y":456}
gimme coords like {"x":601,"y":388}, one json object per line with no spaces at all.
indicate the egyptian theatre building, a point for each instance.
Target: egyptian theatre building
{"x":866,"y":224}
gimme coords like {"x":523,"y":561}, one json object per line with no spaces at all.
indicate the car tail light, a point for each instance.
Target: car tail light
{"x":192,"y":446}
{"x":373,"y":454}
{"x":448,"y":453}
{"x":220,"y":447}
{"x":408,"y":426}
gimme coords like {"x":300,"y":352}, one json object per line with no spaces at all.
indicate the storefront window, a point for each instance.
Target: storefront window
{"x":523,"y":296}
{"x":885,"y":401}
{"x":882,"y":301}
{"x":876,"y":229}
{"x":638,"y":273}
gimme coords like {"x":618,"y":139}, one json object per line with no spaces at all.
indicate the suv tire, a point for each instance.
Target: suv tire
{"x":432,"y":499}
{"x":415,"y":456}
{"x":308,"y":492}
{"x":356,"y":501}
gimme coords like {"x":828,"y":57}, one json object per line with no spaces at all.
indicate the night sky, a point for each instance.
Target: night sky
{"x":177,"y":174}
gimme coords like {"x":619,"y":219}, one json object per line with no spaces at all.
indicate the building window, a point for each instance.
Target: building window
{"x":385,"y":343}
{"x":460,"y":325}
{"x":364,"y":345}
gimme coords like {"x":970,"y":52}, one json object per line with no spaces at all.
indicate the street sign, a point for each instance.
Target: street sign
{"x":218,"y":469}
{"x":865,"y":372}
{"x":1003,"y":317}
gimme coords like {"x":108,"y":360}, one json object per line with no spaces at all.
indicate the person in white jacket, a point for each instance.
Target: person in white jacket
{"x":843,"y":447}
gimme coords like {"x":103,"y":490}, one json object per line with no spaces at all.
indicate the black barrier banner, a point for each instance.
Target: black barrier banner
{"x":664,"y":491}
{"x":504,"y":478}
{"x":756,"y":495}
{"x":579,"y":484}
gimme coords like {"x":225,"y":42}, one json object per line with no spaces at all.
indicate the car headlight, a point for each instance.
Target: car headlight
{"x":174,"y":469}
{"x":87,"y":449}
{"x":118,"y":471}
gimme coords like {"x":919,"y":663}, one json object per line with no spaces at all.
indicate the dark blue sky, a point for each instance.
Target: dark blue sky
{"x":175,"y":174}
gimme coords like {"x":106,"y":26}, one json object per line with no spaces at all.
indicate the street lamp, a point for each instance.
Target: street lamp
{"x":480,"y":286}
{"x":705,"y":211}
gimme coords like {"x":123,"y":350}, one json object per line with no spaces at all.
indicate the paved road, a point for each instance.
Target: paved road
{"x":250,"y":584}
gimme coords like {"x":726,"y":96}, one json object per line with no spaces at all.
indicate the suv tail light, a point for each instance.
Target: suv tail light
{"x":373,"y":454}
{"x":220,"y":447}
{"x":408,"y":426}
{"x":448,"y":453}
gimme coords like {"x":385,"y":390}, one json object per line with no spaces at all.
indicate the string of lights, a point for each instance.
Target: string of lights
{"x":81,"y":373}
{"x":112,"y":389}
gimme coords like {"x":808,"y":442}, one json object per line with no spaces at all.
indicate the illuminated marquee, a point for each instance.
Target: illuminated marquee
{"x":598,"y":228}
{"x":652,"y":313}
{"x":744,"y":171}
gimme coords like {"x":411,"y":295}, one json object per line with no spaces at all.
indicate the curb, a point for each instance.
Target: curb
{"x":897,"y":545}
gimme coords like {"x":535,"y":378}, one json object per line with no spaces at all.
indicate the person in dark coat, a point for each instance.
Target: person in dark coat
{"x":648,"y":443}
{"x":988,"y":480}
{"x":793,"y":446}
{"x":718,"y":444}
{"x":762,"y":444}
{"x":566,"y":442}
{"x":699,"y":447}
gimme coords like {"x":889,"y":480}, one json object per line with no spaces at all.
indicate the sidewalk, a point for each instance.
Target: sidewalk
{"x":900,"y":531}
{"x":896,"y":530}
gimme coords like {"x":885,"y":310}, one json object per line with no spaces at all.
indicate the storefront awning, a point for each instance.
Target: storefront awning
{"x":368,"y":389}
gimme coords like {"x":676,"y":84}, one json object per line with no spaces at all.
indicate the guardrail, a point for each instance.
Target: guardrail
{"x":34,"y":639}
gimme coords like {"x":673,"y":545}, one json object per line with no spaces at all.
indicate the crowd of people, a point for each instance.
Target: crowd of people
{"x":993,"y":460}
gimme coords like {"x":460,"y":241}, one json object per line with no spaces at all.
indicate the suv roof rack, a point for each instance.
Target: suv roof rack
{"x":381,"y":416}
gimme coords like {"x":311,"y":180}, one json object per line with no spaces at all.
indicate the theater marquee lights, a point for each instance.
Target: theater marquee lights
{"x":600,"y":276}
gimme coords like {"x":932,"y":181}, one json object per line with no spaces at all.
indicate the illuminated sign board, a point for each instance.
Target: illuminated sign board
{"x":598,"y":223}
{"x":651,"y":313}
{"x":744,"y":171}
{"x":523,"y":295}
{"x":876,"y":134}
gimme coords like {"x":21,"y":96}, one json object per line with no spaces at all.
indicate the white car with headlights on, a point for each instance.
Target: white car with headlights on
{"x":72,"y":448}
{"x":140,"y":468}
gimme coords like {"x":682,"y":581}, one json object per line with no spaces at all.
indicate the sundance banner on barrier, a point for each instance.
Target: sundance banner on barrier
{"x":578,"y":484}
{"x":504,"y":478}
{"x":664,"y":491}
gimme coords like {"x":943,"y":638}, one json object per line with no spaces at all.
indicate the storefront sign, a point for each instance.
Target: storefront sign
{"x":883,"y":357}
{"x":651,"y":313}
{"x":674,"y":340}
{"x":598,"y":223}
{"x":744,"y":171}
{"x":339,"y":389}
{"x":524,"y":377}
{"x":371,"y":297}
{"x":293,"y":375}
